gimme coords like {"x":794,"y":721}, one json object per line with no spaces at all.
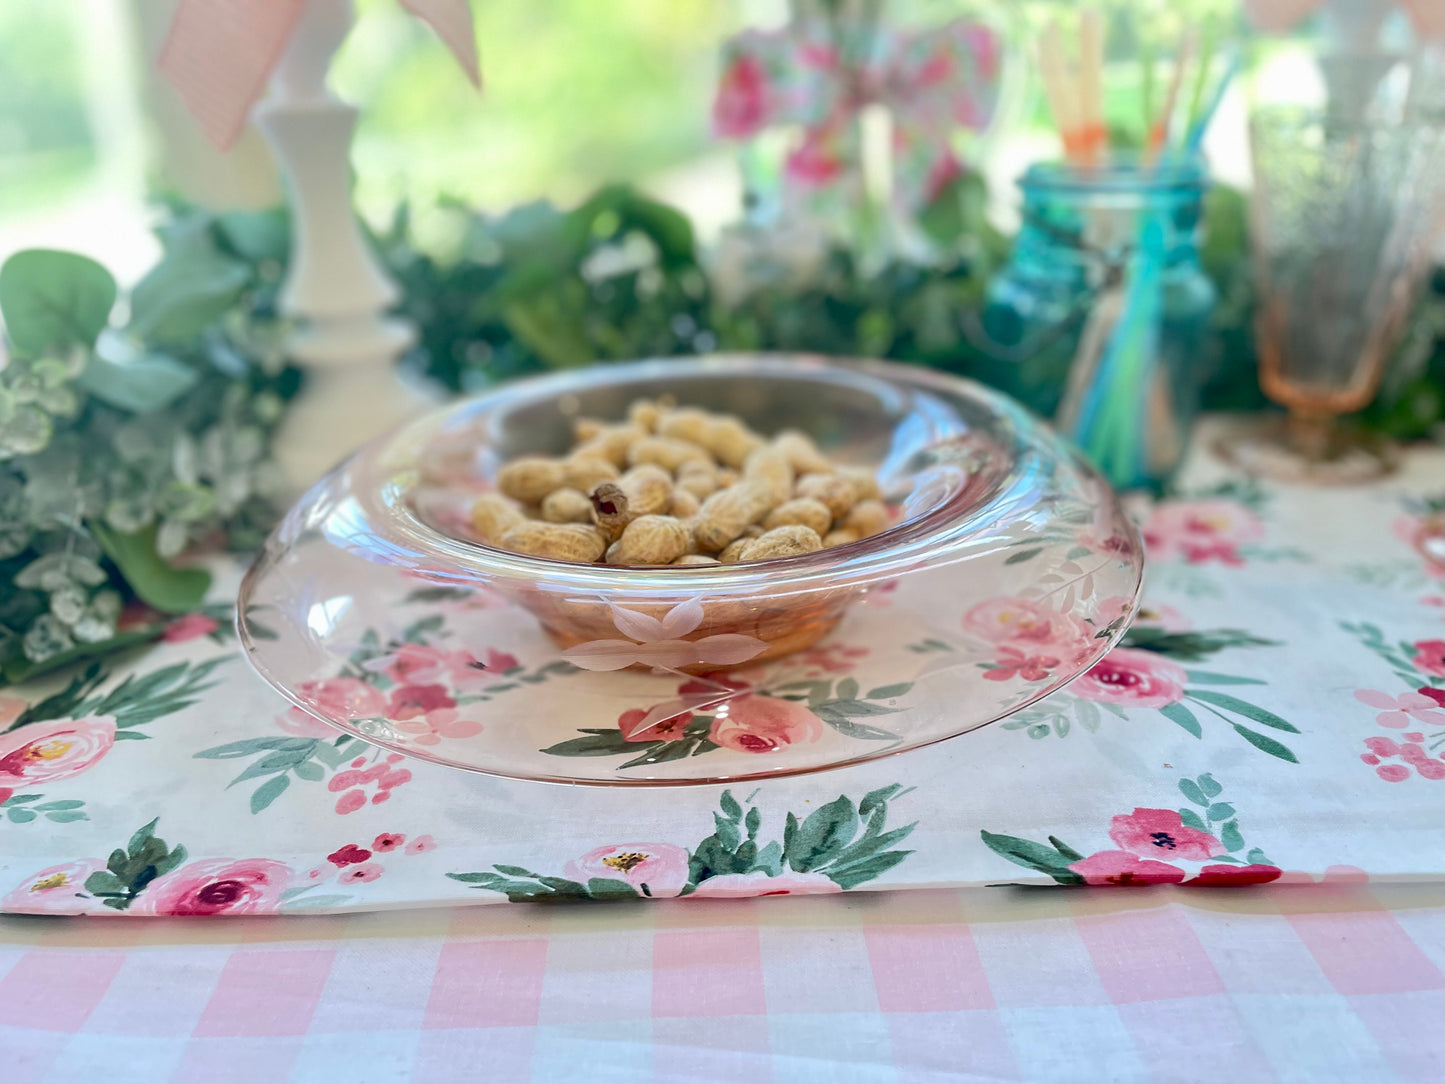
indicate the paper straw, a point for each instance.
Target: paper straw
{"x":1091,"y":93}
{"x":1057,"y":87}
{"x":1159,"y":130}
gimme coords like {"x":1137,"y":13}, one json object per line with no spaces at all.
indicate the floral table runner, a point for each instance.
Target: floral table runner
{"x":1276,"y":713}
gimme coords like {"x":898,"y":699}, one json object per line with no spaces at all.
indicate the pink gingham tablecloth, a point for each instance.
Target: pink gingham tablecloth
{"x":1327,"y":983}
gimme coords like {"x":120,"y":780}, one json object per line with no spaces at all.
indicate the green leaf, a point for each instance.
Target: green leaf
{"x":1206,"y":677}
{"x":1183,"y":717}
{"x":1031,"y":855}
{"x":69,"y":803}
{"x":21,"y":799}
{"x":854,"y":874}
{"x":854,"y":708}
{"x":1256,"y":857}
{"x":890,"y":692}
{"x":1065,"y":850}
{"x":186,"y":292}
{"x":1023,"y":555}
{"x":1242,"y":707}
{"x":661,"y":753}
{"x":1191,"y":790}
{"x":1208,"y":786}
{"x":1220,"y":811}
{"x":280,"y":761}
{"x":1193,"y":820}
{"x":268,"y":792}
{"x":21,"y":815}
{"x":602,"y":744}
{"x":140,"y":385}
{"x":248,"y":746}
{"x":104,"y":883}
{"x":878,"y":799}
{"x":1191,"y":646}
{"x":1230,"y":836}
{"x":142,"y":836}
{"x":607,"y":888}
{"x":54,"y":300}
{"x":170,"y":590}
{"x":753,"y":822}
{"x":823,"y":833}
{"x":310,"y":771}
{"x":65,"y":816}
{"x":850,"y":729}
{"x":729,"y":806}
{"x":1266,"y":745}
{"x":847,"y":689}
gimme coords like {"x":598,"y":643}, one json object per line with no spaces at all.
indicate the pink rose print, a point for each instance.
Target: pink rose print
{"x":1133,"y":678}
{"x":351,"y":783}
{"x":1430,"y":657}
{"x":731,"y":886}
{"x":641,"y":724}
{"x":367,"y":871}
{"x":660,"y":868}
{"x":1396,"y":712}
{"x":53,"y":890}
{"x":1230,"y":876}
{"x":835,"y":658}
{"x":53,"y":750}
{"x":1160,"y":833}
{"x":667,"y":721}
{"x":420,"y":664}
{"x":421,"y":844}
{"x":1200,"y":531}
{"x":741,"y":107}
{"x":1437,"y":695}
{"x":217,"y":886}
{"x":1001,"y":620}
{"x":1124,"y":868}
{"x":411,"y":701}
{"x":387,"y":841}
{"x":1012,"y":662}
{"x":189,"y":627}
{"x":764,"y":724}
{"x":343,"y":698}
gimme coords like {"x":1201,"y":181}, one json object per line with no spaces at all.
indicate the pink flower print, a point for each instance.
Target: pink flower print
{"x":367,"y":871}
{"x":763,"y":724}
{"x":1397,"y":711}
{"x":349,"y":855}
{"x":1430,"y":657}
{"x":1200,"y":531}
{"x":731,"y":886}
{"x":1133,"y":678}
{"x":1002,"y":619}
{"x":1426,"y":536}
{"x":351,"y":783}
{"x":387,"y":841}
{"x":815,"y":162}
{"x":421,"y":844}
{"x":189,"y":627}
{"x":217,"y":886}
{"x":316,"y":875}
{"x":53,"y":750}
{"x":1161,"y":833}
{"x":1124,"y":868}
{"x":658,"y":642}
{"x":432,"y":727}
{"x":643,"y":724}
{"x":1437,"y":695}
{"x":1221,"y":876}
{"x":342,"y":699}
{"x":413,"y":701}
{"x":834,"y":658}
{"x":1412,"y":752}
{"x":1105,"y":540}
{"x":56,"y":890}
{"x":654,"y":869}
{"x":1014,"y":663}
{"x":499,"y":662}
{"x":741,"y":107}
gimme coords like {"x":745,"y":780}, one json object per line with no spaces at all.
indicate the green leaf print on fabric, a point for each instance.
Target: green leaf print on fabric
{"x":837,"y":846}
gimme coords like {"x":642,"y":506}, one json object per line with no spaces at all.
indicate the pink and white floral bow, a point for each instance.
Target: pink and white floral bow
{"x":219,"y":54}
{"x":820,"y":73}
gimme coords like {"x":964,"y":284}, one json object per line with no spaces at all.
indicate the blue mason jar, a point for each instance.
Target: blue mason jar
{"x":1099,"y":318}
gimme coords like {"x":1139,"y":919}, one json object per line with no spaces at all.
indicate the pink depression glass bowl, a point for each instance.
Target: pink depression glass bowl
{"x":372,"y":608}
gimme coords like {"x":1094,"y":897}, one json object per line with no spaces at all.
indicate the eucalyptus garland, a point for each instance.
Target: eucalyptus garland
{"x":133,"y":434}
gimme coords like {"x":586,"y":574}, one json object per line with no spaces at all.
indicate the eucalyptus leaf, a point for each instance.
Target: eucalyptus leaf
{"x":170,"y":590}
{"x":54,"y":300}
{"x":140,"y":384}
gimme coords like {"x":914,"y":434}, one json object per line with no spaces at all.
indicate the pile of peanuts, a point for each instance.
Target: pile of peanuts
{"x":678,"y":486}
